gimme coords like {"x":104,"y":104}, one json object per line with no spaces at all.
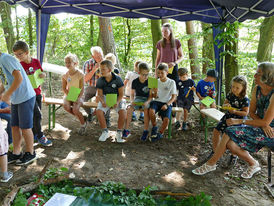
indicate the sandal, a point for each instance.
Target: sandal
{"x":205,"y":168}
{"x":251,"y":170}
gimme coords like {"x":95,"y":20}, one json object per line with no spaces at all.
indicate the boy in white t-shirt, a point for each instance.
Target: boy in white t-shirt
{"x":164,"y":96}
{"x":130,"y":76}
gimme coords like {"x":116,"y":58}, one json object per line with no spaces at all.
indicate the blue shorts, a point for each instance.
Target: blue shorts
{"x":142,"y":100}
{"x":22,"y":114}
{"x":156,"y":106}
{"x":185,"y":103}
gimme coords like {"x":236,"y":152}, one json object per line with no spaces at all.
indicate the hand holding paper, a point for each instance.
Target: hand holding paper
{"x":35,"y":78}
{"x":207,"y":101}
{"x":111,"y":99}
{"x":73,"y":94}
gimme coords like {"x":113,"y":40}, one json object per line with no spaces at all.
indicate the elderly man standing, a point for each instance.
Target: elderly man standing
{"x":92,"y":73}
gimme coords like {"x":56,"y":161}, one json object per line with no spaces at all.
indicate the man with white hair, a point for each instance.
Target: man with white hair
{"x":92,"y":73}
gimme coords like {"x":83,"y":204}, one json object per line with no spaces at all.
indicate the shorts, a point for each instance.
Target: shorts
{"x":22,"y":114}
{"x":120,"y":106}
{"x":156,"y":106}
{"x":140,"y":99}
{"x":185,"y":103}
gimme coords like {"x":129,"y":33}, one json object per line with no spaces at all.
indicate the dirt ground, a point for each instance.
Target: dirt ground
{"x":166,"y":164}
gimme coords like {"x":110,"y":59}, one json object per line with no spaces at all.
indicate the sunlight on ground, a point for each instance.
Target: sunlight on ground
{"x":175,"y":178}
{"x":123,"y":154}
{"x":192,"y":159}
{"x":74,"y":155}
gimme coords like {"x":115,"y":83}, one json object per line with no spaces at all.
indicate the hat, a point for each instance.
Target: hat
{"x":212,"y":73}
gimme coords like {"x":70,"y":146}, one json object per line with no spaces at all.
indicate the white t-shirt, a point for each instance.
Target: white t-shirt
{"x":130,"y":76}
{"x":165,"y":90}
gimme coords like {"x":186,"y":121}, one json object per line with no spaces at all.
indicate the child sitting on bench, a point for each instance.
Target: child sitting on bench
{"x":139,"y":94}
{"x":237,"y":105}
{"x":74,"y":78}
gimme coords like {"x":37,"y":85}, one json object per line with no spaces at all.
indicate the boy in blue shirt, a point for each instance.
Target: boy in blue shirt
{"x":185,"y":99}
{"x":206,"y":87}
{"x":110,"y":83}
{"x":19,"y":91}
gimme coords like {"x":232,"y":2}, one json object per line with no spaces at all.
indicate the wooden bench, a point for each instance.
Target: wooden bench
{"x":213,"y":114}
{"x":53,"y":102}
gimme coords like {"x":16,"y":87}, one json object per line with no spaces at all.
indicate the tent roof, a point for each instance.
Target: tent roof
{"x":210,"y":11}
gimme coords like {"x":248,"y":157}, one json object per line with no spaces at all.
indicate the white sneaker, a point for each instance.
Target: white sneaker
{"x":103,"y":136}
{"x":119,"y":138}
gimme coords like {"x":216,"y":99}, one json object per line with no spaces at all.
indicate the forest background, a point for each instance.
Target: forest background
{"x":130,"y":40}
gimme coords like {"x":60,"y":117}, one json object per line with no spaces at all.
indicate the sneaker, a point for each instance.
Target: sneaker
{"x":6,"y":178}
{"x":83,"y":128}
{"x":119,"y":137}
{"x":158,"y":137}
{"x":177,"y":125}
{"x":184,"y":127}
{"x":145,"y":135}
{"x":103,"y":136}
{"x":27,"y":158}
{"x":141,"y":117}
{"x":13,"y":157}
{"x":134,"y":118}
{"x":154,"y":132}
{"x":126,"y":133}
{"x":45,"y":141}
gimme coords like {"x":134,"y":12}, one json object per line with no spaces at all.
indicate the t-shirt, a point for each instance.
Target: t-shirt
{"x":130,"y":76}
{"x":31,"y":68}
{"x":25,"y":91}
{"x":73,"y":80}
{"x":165,"y":90}
{"x":88,"y":66}
{"x":205,"y":88}
{"x":141,"y":89}
{"x":110,"y":87}
{"x":168,"y":54}
{"x":183,"y":87}
{"x":237,"y":103}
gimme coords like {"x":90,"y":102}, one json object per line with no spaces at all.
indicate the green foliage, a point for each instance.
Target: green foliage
{"x":55,"y":172}
{"x":21,"y":199}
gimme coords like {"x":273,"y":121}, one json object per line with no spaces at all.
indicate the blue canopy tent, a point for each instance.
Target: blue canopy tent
{"x":209,"y":11}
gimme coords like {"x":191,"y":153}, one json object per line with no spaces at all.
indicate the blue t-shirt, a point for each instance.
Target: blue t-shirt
{"x":205,"y":88}
{"x":110,"y":87}
{"x":183,"y":87}
{"x":25,"y":91}
{"x":141,"y":89}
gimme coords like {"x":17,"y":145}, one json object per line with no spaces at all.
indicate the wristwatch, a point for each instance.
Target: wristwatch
{"x":244,"y":121}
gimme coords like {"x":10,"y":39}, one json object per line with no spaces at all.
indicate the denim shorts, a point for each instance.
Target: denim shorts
{"x":157,"y":108}
{"x":22,"y":114}
{"x":185,"y":103}
{"x":140,"y":99}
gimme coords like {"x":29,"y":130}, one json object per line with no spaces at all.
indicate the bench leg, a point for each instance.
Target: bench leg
{"x":49,"y":120}
{"x":53,"y":116}
{"x":269,"y":186}
{"x":206,"y":128}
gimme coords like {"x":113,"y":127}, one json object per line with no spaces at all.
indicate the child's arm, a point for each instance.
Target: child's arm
{"x":198,"y":94}
{"x":64,"y":86}
{"x":243,"y":112}
{"x":5,"y":110}
{"x":125,"y":82}
{"x":132,"y":95}
{"x":42,"y":75}
{"x":17,"y":79}
{"x":120,"y":94}
{"x":100,"y":96}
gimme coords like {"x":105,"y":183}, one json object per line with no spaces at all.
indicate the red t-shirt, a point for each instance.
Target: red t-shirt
{"x":31,"y":68}
{"x":168,"y":54}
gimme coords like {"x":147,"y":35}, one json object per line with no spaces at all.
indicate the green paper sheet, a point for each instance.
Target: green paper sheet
{"x":170,"y":70}
{"x":152,"y":82}
{"x":111,"y":100}
{"x":139,"y":103}
{"x":73,"y":94}
{"x":35,"y":80}
{"x":207,"y":101}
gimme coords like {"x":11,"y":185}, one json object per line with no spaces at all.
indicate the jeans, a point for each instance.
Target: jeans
{"x":37,"y":117}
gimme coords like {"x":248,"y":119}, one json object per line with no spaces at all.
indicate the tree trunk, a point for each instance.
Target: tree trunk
{"x":231,"y":66}
{"x":156,"y":36}
{"x":127,"y":42}
{"x":17,"y":24}
{"x":5,"y":11}
{"x":30,"y":30}
{"x":106,"y":37}
{"x":266,"y":40}
{"x":208,"y":49}
{"x":91,"y":28}
{"x":192,"y":50}
{"x":164,"y":21}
